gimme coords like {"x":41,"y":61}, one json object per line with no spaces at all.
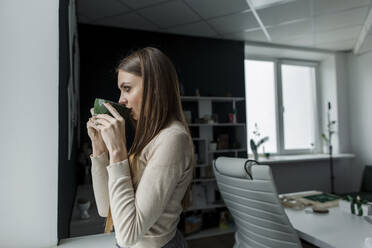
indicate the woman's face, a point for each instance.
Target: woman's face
{"x":131,"y":88}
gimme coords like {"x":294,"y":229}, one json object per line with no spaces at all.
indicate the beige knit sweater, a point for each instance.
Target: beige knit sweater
{"x":146,"y":216}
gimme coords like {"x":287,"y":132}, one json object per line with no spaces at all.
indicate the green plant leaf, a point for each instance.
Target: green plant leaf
{"x":263,"y":140}
{"x":253,"y":145}
{"x":325,"y":137}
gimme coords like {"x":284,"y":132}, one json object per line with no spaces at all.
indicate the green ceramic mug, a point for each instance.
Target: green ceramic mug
{"x":99,"y":108}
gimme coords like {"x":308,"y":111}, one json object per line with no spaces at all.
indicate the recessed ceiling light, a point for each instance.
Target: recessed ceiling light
{"x":261,"y":4}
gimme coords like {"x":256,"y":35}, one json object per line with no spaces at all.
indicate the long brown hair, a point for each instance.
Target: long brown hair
{"x":161,"y":102}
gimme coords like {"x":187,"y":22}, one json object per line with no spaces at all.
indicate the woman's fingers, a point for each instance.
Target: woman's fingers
{"x":90,"y":123}
{"x":104,"y":122}
{"x":113,"y":111}
{"x":92,"y":111}
{"x":105,"y":117}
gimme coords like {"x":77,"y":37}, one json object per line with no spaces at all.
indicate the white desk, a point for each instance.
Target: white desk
{"x":337,"y":229}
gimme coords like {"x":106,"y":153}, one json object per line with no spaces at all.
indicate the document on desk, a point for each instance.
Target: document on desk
{"x":336,"y":229}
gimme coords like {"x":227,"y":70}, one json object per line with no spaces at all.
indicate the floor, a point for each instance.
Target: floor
{"x":224,"y":241}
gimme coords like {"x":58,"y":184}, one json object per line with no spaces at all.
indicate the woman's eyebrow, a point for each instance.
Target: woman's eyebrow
{"x":123,"y":83}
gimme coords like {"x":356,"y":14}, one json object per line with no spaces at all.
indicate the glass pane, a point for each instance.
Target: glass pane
{"x":260,"y":103}
{"x":298,"y":116}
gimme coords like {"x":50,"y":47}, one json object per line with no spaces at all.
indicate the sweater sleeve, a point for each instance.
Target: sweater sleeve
{"x":134,"y":213}
{"x":99,"y":181}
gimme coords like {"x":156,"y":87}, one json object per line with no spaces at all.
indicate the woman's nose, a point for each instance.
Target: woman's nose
{"x":123,"y":100}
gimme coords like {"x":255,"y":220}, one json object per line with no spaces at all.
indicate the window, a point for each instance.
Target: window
{"x":281,"y":104}
{"x":260,"y":101}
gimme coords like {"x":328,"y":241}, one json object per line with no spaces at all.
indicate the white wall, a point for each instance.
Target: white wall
{"x":334,"y":82}
{"x":360,"y":93}
{"x":343,"y":101}
{"x":29,"y":123}
{"x":328,"y":93}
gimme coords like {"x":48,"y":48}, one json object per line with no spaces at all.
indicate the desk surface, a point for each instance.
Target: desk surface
{"x":337,"y":229}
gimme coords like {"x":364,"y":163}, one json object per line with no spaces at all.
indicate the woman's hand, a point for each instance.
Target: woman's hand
{"x":98,"y":145}
{"x":113,"y":133}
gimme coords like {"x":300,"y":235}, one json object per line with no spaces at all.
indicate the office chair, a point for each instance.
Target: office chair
{"x":250,"y":195}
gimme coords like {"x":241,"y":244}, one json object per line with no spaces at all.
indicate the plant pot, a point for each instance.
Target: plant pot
{"x":326,"y":149}
{"x":83,"y":205}
{"x":255,"y":156}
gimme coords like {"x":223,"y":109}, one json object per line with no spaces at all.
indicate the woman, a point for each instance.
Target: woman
{"x":142,"y":191}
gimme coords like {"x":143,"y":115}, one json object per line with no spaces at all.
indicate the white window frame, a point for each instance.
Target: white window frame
{"x":279,"y":104}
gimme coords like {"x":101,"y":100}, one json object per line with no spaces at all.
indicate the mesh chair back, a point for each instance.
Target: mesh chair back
{"x":251,"y":197}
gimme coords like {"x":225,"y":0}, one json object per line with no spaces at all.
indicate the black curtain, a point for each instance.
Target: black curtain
{"x":66,"y":168}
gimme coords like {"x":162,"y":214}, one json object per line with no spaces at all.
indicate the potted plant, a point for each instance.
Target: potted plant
{"x":328,"y":141}
{"x":257,"y":142}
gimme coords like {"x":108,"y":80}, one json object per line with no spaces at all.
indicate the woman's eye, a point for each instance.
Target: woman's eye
{"x":126,"y":88}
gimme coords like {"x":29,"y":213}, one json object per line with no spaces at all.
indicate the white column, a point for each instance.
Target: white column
{"x":29,"y":123}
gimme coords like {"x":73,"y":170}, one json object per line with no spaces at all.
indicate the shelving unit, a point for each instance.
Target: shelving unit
{"x":211,"y":232}
{"x":95,"y":224}
{"x":204,"y":179}
{"x":215,"y":124}
{"x":209,"y":206}
{"x":203,"y":134}
{"x":212,"y":98}
{"x":201,"y":165}
{"x":227,"y":150}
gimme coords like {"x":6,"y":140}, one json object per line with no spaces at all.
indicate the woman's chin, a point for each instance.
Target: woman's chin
{"x":133,"y":116}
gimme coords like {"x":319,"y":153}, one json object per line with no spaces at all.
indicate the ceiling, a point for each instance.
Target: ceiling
{"x":335,"y":25}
